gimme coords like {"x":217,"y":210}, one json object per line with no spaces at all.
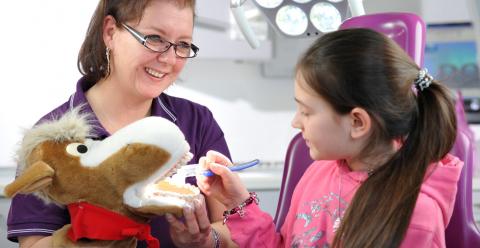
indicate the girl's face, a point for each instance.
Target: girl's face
{"x":140,"y":71}
{"x":326,"y":133}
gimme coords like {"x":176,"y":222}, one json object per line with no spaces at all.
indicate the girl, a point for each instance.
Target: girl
{"x":382,"y":176}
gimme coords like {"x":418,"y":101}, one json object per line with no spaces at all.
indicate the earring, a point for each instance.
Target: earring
{"x":107,"y":54}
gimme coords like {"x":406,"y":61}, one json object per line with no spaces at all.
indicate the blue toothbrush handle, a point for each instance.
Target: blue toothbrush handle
{"x":237,"y":167}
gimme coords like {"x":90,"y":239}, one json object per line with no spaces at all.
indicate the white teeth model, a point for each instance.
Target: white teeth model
{"x":147,"y":194}
{"x":154,"y":73}
{"x":173,"y":141}
{"x":151,"y":195}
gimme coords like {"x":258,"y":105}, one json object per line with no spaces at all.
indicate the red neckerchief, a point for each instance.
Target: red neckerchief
{"x":94,"y":222}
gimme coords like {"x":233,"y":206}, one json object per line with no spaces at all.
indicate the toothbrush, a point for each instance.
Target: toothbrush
{"x":190,"y":170}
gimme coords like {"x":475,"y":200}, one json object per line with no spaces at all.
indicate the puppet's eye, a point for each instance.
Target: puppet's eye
{"x":77,"y":149}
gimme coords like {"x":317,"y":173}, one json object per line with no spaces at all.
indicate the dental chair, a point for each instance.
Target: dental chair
{"x":462,"y":231}
{"x":408,"y":30}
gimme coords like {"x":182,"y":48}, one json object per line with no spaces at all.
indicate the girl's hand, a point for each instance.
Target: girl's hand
{"x":226,"y":186}
{"x":195,"y":230}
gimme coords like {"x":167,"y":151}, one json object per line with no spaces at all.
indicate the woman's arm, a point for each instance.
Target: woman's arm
{"x":35,"y":241}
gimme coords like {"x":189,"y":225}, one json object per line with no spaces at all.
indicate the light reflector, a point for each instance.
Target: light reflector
{"x":325,"y":17}
{"x":291,"y":20}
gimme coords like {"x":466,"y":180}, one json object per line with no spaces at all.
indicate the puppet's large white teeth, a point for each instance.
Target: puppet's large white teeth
{"x":172,"y":171}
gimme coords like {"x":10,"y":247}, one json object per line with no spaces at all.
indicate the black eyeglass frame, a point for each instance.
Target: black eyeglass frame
{"x":143,"y":40}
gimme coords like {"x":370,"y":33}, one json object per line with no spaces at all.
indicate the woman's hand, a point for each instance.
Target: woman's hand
{"x":226,"y":186}
{"x":195,"y":230}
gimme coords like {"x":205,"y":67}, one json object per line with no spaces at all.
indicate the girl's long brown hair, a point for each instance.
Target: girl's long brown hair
{"x":363,"y":68}
{"x":92,"y":61}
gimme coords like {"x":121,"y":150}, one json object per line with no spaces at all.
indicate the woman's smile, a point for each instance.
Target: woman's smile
{"x":154,"y":73}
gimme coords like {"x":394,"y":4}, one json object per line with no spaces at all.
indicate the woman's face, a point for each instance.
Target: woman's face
{"x":326,"y":133}
{"x":136,"y":69}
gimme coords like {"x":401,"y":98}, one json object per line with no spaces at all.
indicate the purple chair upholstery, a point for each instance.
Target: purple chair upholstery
{"x":408,"y":30}
{"x":462,"y":231}
{"x":296,"y":162}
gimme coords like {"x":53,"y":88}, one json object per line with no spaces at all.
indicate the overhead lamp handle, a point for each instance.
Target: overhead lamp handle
{"x":239,"y":15}
{"x":356,"y":7}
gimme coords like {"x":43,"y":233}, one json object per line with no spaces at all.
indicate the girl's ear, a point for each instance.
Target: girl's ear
{"x":361,"y":123}
{"x":109,"y":26}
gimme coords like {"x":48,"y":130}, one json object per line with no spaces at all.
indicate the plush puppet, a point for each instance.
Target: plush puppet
{"x":111,"y":187}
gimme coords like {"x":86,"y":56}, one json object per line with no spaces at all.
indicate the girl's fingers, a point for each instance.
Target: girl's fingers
{"x":219,"y":169}
{"x":203,"y":163}
{"x":216,"y":157}
{"x":203,"y":183}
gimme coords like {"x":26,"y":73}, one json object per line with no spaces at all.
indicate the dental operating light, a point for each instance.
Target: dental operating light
{"x":304,"y":18}
{"x":298,"y":18}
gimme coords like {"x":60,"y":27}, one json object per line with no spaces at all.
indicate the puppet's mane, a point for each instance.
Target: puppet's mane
{"x":73,"y":125}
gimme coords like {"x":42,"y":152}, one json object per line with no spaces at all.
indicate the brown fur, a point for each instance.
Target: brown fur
{"x":106,"y":182}
{"x":48,"y":170}
{"x":102,"y":185}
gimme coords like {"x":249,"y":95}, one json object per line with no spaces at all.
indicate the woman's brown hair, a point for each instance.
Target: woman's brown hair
{"x":362,"y":68}
{"x":92,"y":62}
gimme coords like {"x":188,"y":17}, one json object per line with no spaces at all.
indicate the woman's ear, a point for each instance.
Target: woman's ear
{"x":109,"y":26}
{"x":361,"y":123}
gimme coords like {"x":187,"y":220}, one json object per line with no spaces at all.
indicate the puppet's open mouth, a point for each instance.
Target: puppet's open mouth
{"x":165,"y":186}
{"x":159,"y":194}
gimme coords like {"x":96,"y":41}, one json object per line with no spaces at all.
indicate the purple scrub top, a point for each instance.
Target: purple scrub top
{"x":30,"y":216}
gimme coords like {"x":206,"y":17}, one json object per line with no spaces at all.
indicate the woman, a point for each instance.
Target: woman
{"x":132,"y":52}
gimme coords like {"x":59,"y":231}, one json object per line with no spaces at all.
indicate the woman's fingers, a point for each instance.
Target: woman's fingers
{"x":196,"y":218}
{"x":191,"y":220}
{"x":202,"y":216}
{"x":195,"y":229}
{"x":177,"y":225}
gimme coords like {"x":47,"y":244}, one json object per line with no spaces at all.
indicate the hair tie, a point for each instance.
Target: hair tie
{"x":423,"y":79}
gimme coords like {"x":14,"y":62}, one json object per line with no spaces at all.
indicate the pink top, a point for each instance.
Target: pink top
{"x":325,"y":191}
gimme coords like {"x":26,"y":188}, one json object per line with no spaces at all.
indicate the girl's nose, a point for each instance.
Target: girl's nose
{"x":296,"y":122}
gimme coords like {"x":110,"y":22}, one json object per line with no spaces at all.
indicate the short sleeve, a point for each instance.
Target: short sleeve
{"x":29,"y":215}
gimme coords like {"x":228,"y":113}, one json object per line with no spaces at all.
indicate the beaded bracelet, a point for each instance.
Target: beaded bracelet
{"x":240,"y":208}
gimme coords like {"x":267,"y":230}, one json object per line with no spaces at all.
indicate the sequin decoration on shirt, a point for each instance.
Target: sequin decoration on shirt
{"x":312,"y":216}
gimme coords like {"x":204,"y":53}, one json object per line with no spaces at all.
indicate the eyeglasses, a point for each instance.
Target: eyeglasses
{"x":158,"y":44}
